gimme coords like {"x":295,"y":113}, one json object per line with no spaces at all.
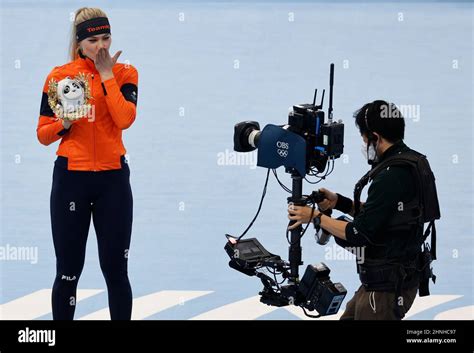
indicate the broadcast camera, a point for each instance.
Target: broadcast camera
{"x":307,"y":147}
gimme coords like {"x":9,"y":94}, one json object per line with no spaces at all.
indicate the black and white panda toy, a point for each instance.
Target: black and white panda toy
{"x":71,"y":94}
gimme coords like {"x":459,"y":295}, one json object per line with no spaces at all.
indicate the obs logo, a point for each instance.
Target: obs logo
{"x":282,"y":148}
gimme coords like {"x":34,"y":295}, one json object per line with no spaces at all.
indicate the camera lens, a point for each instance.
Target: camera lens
{"x":246,"y":136}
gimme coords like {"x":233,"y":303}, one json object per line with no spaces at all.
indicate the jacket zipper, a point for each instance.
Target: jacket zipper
{"x":93,"y":127}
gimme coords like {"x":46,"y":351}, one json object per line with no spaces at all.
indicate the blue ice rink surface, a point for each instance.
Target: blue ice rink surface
{"x":203,"y":67}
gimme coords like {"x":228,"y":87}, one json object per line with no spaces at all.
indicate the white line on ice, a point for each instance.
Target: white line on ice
{"x":151,"y":304}
{"x":36,"y":304}
{"x":463,"y":313}
{"x":424,"y":303}
{"x":246,"y":309}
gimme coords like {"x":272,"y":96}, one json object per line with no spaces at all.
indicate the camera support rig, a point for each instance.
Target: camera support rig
{"x":303,"y":146}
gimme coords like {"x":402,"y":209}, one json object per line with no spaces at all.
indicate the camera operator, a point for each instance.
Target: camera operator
{"x":388,"y":271}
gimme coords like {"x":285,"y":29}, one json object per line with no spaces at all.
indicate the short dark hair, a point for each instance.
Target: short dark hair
{"x":381,"y":117}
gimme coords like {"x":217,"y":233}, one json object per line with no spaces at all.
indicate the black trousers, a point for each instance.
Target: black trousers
{"x":106,"y":196}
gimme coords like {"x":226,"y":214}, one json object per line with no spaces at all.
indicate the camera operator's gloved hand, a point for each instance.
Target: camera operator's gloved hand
{"x":330,"y":201}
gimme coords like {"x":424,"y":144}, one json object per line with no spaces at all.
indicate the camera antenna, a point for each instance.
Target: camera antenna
{"x":322,"y":101}
{"x":315,"y":95}
{"x":331,"y":84}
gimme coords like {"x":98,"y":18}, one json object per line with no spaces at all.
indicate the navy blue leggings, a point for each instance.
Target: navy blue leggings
{"x":107,"y":197}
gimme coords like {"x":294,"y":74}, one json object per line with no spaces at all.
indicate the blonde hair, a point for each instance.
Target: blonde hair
{"x":83,"y":14}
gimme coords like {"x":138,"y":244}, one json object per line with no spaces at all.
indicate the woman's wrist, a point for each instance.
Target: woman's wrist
{"x":104,"y":76}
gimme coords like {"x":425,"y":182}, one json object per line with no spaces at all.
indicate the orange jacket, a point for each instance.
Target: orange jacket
{"x":92,"y":144}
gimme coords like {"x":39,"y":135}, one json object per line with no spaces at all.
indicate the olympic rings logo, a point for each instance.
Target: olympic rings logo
{"x":282,"y":153}
{"x":282,"y":149}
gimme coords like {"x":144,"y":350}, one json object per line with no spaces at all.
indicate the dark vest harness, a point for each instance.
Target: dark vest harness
{"x":393,"y":275}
